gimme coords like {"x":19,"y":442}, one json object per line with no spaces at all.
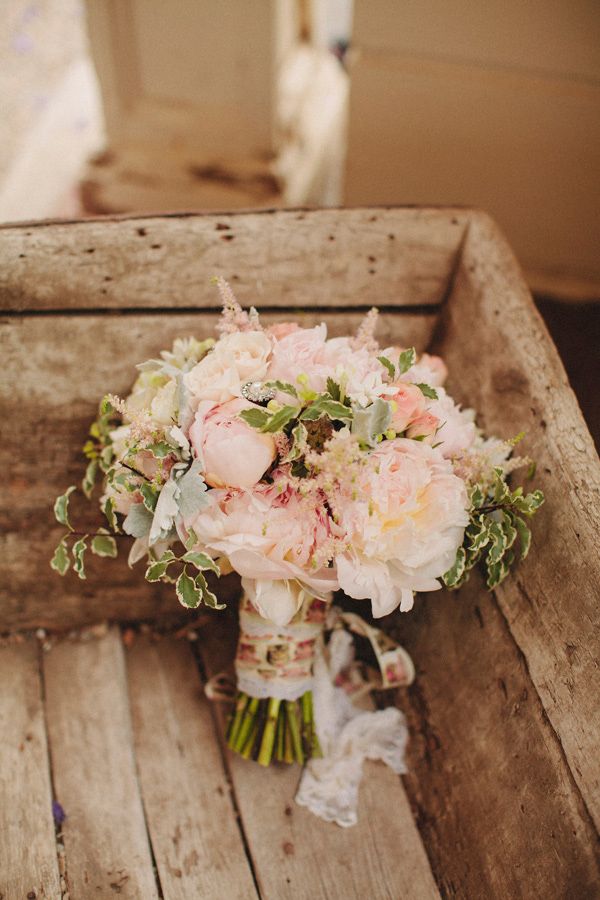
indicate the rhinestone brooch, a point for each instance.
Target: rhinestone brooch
{"x":256,"y":392}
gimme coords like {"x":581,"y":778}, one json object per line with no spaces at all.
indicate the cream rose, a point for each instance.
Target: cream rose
{"x":236,"y":358}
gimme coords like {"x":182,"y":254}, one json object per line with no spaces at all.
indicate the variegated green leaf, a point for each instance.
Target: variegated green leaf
{"x":524,"y":535}
{"x":104,"y":545}
{"x":201,"y":561}
{"x":60,"y":562}
{"x":280,"y":419}
{"x":454,"y":574}
{"x":89,"y":480}
{"x":208,"y":597}
{"x":61,"y":507}
{"x":187,"y":592}
{"x":78,"y":551}
{"x":109,"y":511}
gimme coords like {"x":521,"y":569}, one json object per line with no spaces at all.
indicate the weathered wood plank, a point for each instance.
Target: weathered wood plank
{"x":93,"y":763}
{"x":494,"y":797}
{"x":65,"y":366}
{"x":197,"y":844}
{"x":28,"y":861}
{"x":297,"y":855}
{"x":284,"y":258}
{"x":511,"y":372}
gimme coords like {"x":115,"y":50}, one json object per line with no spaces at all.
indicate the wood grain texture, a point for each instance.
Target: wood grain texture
{"x":65,"y":365}
{"x":496,"y":803}
{"x":285,"y":259}
{"x":28,"y":861}
{"x":191,"y":820}
{"x":91,"y":743}
{"x":299,"y":857}
{"x":511,"y":372}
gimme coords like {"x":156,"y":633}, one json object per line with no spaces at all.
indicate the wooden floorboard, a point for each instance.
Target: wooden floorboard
{"x":28,"y":860}
{"x":107,"y":848}
{"x":299,"y":857}
{"x":196,"y":839}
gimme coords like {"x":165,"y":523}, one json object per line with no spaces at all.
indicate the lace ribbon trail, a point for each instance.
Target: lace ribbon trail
{"x":348,"y":734}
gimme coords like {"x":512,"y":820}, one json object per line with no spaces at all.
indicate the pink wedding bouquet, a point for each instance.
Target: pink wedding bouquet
{"x":308,"y":465}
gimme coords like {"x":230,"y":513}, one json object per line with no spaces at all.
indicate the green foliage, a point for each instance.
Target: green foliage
{"x":202,"y":561}
{"x":109,"y":512}
{"x":407,"y":359}
{"x":387,"y":364}
{"x":255,"y":417}
{"x":280,"y":419}
{"x":191,"y":586}
{"x":428,"y":391}
{"x":104,"y":544}
{"x":60,"y":562}
{"x":160,"y":449}
{"x":284,"y":386}
{"x":369,"y":423}
{"x":61,"y":507}
{"x":495,"y":523}
{"x":334,"y":389}
{"x":150,"y":493}
{"x":78,"y":552}
{"x":89,"y":479}
{"x":325,"y":405}
{"x":138,"y":521}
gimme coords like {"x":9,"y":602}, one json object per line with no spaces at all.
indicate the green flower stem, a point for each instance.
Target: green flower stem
{"x":246,"y":751}
{"x":294,"y":729}
{"x":280,"y":739}
{"x":248,"y":720}
{"x":288,"y":753}
{"x":307,"y":724}
{"x":236,"y":719}
{"x":268,"y":736}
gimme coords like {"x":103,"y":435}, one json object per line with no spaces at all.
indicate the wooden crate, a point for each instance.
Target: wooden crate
{"x":503,"y":795}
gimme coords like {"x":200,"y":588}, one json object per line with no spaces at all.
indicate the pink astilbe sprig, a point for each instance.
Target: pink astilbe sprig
{"x":365,"y":336}
{"x":233,"y":317}
{"x":143,"y":428}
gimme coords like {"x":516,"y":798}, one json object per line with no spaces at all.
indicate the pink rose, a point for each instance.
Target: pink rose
{"x":408,"y":404}
{"x":281,"y":329}
{"x":234,"y":454}
{"x":425,"y":426}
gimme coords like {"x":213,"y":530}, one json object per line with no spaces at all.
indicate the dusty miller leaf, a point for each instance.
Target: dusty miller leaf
{"x":138,"y":521}
{"x":370,"y":422}
{"x":192,"y":491}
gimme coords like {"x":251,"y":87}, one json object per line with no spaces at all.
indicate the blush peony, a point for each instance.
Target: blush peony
{"x":403,"y":521}
{"x":233,"y":454}
{"x":267,"y":533}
